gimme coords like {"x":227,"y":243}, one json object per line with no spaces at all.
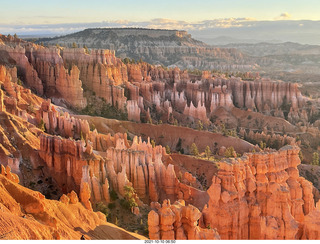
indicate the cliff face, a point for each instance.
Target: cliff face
{"x":260,"y":196}
{"x":42,"y":69}
{"x":177,"y":222}
{"x":101,"y":72}
{"x":49,"y":66}
{"x":154,"y":46}
{"x":257,"y":196}
{"x":146,"y":90}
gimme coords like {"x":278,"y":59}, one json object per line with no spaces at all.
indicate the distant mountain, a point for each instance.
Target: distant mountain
{"x":300,"y":31}
{"x":265,"y":49}
{"x":157,"y":46}
{"x":225,"y":40}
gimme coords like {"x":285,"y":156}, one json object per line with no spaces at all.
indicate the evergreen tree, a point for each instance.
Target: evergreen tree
{"x":86,"y":50}
{"x":153,"y":143}
{"x":168,"y":151}
{"x":230,"y":152}
{"x":200,"y":125}
{"x":262,"y":145}
{"x":208,"y":152}
{"x":194,"y":149}
{"x":301,"y":156}
{"x":315,"y":158}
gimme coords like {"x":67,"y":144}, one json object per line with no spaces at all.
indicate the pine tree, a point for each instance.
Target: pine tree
{"x":86,"y":50}
{"x":315,"y":158}
{"x":262,"y":145}
{"x":153,"y":143}
{"x":168,"y":151}
{"x":301,"y":156}
{"x":230,"y":152}
{"x":208,"y":152}
{"x":194,"y":149}
{"x":200,"y":125}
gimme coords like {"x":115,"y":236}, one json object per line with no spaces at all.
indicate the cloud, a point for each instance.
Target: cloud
{"x":283,"y":16}
{"x":243,"y":28}
{"x":158,"y":23}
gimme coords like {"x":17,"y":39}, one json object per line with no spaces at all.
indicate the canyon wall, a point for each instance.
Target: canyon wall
{"x":146,"y":90}
{"x":258,"y":196}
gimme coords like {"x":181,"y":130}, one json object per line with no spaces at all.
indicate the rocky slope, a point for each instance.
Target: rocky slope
{"x":27,"y":215}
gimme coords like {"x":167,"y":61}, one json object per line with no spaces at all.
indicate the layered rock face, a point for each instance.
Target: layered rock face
{"x":146,"y":90}
{"x":200,"y":98}
{"x":55,"y":77}
{"x":260,"y":196}
{"x":61,"y":123}
{"x":139,"y":165}
{"x":25,"y":69}
{"x":42,"y":69}
{"x":170,"y":47}
{"x":101,"y":72}
{"x":177,"y":222}
{"x":105,"y":161}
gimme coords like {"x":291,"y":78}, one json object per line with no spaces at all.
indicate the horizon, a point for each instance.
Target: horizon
{"x":287,"y":20}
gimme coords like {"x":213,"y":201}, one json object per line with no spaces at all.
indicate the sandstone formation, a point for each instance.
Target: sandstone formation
{"x":177,"y":222}
{"x":260,"y":196}
{"x":144,"y":89}
{"x":61,"y":123}
{"x":256,"y":196}
{"x":27,"y":215}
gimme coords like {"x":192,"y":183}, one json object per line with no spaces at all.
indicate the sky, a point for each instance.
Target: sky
{"x":75,"y":11}
{"x":66,"y":16}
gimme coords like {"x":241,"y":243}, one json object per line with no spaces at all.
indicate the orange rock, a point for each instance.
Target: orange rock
{"x":73,"y":197}
{"x":262,"y":193}
{"x":85,"y":195}
{"x":64,"y":199}
{"x":175,"y":221}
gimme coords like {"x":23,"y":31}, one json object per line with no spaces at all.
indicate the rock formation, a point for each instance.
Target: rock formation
{"x":26,"y":215}
{"x":156,"y":46}
{"x":177,"y":222}
{"x":141,"y":87}
{"x":259,"y":196}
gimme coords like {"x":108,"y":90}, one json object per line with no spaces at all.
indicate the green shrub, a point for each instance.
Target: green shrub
{"x":128,"y":202}
{"x":113,"y":195}
{"x":111,"y":205}
{"x":41,"y":125}
{"x":100,"y":206}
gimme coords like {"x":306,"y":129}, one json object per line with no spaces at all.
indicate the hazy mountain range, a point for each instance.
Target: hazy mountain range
{"x":244,"y":30}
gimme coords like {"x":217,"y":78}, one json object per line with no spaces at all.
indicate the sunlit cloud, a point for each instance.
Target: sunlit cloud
{"x":283,"y":16}
{"x":235,"y":27}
